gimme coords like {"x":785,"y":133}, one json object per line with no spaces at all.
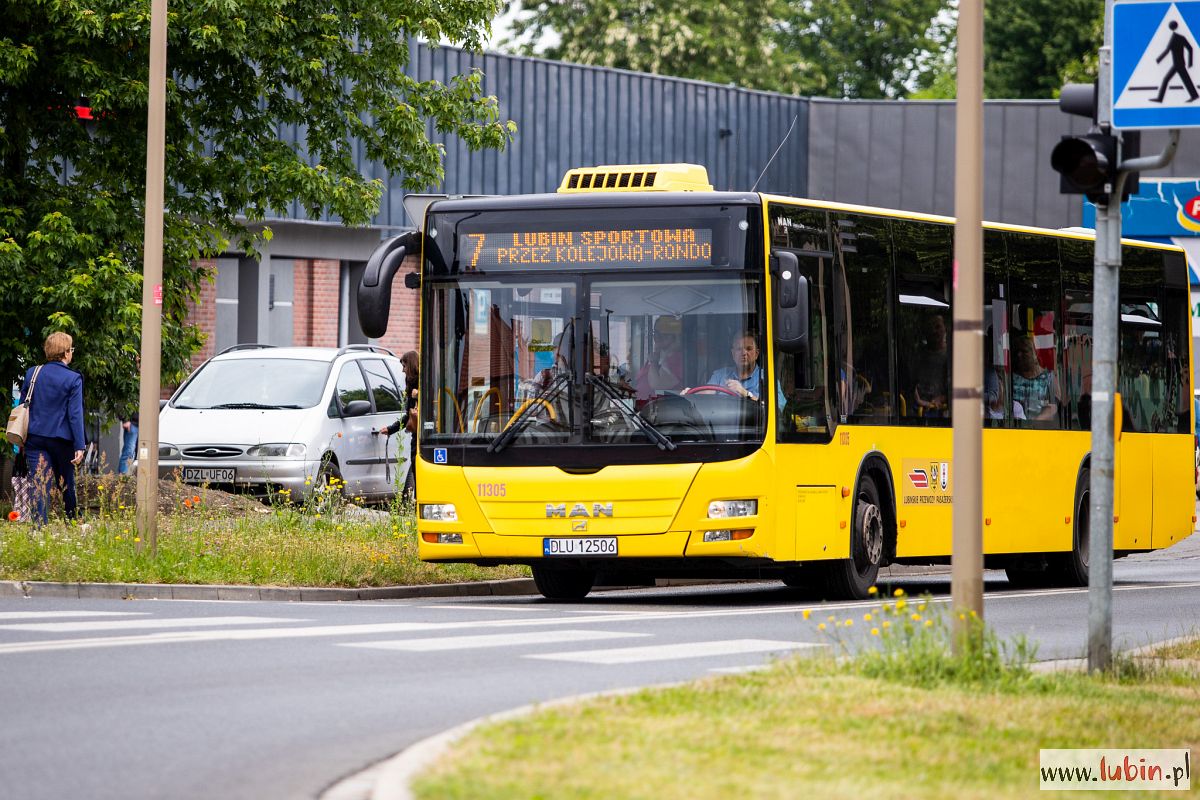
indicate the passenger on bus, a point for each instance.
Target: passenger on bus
{"x":1034,"y":386}
{"x":745,"y":376}
{"x":929,"y":385}
{"x":663,"y":370}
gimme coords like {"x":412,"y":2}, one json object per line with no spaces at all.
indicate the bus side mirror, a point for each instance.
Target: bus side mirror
{"x":791,"y":304}
{"x":412,"y":280}
{"x":375,"y":289}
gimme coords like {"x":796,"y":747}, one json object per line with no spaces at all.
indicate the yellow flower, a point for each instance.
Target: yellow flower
{"x":867,"y":617}
{"x":874,"y":631}
{"x":900,"y":604}
{"x":873,"y":590}
{"x":921,"y":606}
{"x":915,"y":617}
{"x":807,"y":611}
{"x":137,"y":538}
{"x":830,"y":618}
{"x":887,"y":624}
{"x":928,"y":623}
{"x":973,"y":615}
{"x":962,"y":616}
{"x":849,"y":622}
{"x":821,"y":627}
{"x":898,"y":593}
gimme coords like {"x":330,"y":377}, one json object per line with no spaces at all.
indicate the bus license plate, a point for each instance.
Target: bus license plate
{"x":579,"y":546}
{"x":209,"y":474}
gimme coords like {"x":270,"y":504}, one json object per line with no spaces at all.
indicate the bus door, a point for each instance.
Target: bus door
{"x":1138,"y":376}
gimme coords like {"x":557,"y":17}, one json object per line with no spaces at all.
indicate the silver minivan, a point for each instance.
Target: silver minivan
{"x":262,"y":419}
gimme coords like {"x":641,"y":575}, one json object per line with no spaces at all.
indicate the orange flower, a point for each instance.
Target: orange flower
{"x":195,"y":498}
{"x":13,"y":516}
{"x":187,"y":503}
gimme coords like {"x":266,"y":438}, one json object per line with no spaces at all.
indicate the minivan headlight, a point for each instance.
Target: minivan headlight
{"x":167,"y":451}
{"x":280,"y":450}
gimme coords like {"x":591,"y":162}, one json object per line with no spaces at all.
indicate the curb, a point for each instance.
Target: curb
{"x":168,"y":591}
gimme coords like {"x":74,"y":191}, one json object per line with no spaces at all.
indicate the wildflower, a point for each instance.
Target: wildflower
{"x":900,"y":604}
{"x":898,"y":593}
{"x":973,"y":615}
{"x":887,"y":624}
{"x":13,"y":516}
{"x":874,"y":631}
{"x":921,"y":606}
{"x":137,"y":538}
{"x":821,"y":627}
{"x":830,"y":618}
{"x":962,"y":616}
{"x":195,"y":498}
{"x":873,"y":590}
{"x":928,"y":623}
{"x":849,"y":623}
{"x":187,"y":503}
{"x":807,"y":611}
{"x":915,"y":617}
{"x":867,"y":617}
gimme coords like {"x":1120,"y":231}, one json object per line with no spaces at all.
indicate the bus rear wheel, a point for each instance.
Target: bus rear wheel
{"x":1071,"y":569}
{"x":562,"y":582}
{"x":852,"y":578}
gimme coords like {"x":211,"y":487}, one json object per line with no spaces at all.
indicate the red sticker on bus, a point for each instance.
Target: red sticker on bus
{"x":919,"y":478}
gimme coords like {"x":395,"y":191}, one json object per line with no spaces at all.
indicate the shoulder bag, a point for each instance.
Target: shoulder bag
{"x":18,"y":418}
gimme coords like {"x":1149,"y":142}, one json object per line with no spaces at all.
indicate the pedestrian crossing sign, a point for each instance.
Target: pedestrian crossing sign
{"x":1156,"y":64}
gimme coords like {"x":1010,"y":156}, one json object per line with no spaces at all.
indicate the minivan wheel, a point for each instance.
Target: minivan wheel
{"x":330,"y":476}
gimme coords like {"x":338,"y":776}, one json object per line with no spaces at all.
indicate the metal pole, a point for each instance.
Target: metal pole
{"x":147,"y":476}
{"x":967,"y":553}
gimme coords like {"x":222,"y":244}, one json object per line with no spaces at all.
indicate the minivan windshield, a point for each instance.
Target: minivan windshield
{"x":255,"y":383}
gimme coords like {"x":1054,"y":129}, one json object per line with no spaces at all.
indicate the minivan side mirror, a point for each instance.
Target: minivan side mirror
{"x":357,"y":408}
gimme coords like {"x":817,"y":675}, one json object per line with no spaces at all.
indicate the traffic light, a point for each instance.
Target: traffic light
{"x":1088,"y":163}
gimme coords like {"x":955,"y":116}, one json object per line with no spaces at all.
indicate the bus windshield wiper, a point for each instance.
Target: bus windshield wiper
{"x":522,"y":418}
{"x":652,"y":433}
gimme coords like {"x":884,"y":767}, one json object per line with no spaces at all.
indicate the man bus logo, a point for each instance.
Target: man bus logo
{"x":919,"y":478}
{"x":579,"y":510}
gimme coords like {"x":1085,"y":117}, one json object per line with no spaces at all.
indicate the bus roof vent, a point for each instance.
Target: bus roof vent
{"x":637,"y":178}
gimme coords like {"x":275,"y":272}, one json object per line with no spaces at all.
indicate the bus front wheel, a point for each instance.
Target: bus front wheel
{"x":852,"y":578}
{"x":562,"y":582}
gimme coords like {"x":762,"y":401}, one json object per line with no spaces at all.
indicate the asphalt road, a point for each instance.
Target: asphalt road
{"x":183,"y":699}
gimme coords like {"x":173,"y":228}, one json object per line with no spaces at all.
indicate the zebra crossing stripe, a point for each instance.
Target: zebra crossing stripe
{"x":142,"y":624}
{"x":60,"y":614}
{"x":671,"y":652}
{"x":492,"y":640}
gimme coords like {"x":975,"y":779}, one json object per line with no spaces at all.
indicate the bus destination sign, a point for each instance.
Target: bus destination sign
{"x":599,"y":247}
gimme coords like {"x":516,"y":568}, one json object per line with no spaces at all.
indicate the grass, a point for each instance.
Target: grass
{"x":210,"y":538}
{"x":862,"y":724}
{"x":1189,"y":649}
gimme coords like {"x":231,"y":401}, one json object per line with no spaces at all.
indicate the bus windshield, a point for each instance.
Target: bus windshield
{"x":657,"y":360}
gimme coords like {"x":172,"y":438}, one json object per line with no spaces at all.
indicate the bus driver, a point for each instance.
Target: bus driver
{"x":745,"y":376}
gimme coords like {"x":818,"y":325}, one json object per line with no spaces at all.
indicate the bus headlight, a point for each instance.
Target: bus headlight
{"x":719,"y":509}
{"x":439,"y":512}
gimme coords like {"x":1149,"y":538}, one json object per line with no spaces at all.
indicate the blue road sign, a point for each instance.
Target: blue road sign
{"x":1156,"y":64}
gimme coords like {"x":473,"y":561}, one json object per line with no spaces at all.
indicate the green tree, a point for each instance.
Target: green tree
{"x":247,"y":80}
{"x":863,"y":48}
{"x":832,"y":48}
{"x":732,"y":42}
{"x":1030,"y":45}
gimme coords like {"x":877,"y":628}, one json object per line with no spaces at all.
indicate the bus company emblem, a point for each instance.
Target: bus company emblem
{"x":579,"y":510}
{"x":919,"y":478}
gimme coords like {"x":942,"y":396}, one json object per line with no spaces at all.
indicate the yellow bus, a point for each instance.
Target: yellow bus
{"x":638,"y":377}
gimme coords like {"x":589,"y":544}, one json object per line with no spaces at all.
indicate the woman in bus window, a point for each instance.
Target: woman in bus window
{"x":1033,"y":386}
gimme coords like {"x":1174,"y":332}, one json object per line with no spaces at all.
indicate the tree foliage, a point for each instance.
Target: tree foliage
{"x":1031,"y":45}
{"x":267,"y":102}
{"x":831,"y":48}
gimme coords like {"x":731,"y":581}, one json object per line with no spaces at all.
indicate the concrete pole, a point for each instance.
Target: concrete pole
{"x":966,"y":561}
{"x":152,"y":290}
{"x":967,"y":553}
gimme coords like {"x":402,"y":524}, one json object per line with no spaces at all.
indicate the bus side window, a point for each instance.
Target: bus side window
{"x":867,"y":393}
{"x":922,"y":254}
{"x":1034,"y":328}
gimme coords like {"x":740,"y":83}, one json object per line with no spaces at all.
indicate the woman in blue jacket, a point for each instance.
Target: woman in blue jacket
{"x":55,"y":443}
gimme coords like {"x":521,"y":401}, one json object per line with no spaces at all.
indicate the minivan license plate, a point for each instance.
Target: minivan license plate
{"x":580,"y":546}
{"x":209,"y":474}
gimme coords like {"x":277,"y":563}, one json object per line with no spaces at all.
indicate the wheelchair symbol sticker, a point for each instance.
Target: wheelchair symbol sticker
{"x":439,"y":455}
